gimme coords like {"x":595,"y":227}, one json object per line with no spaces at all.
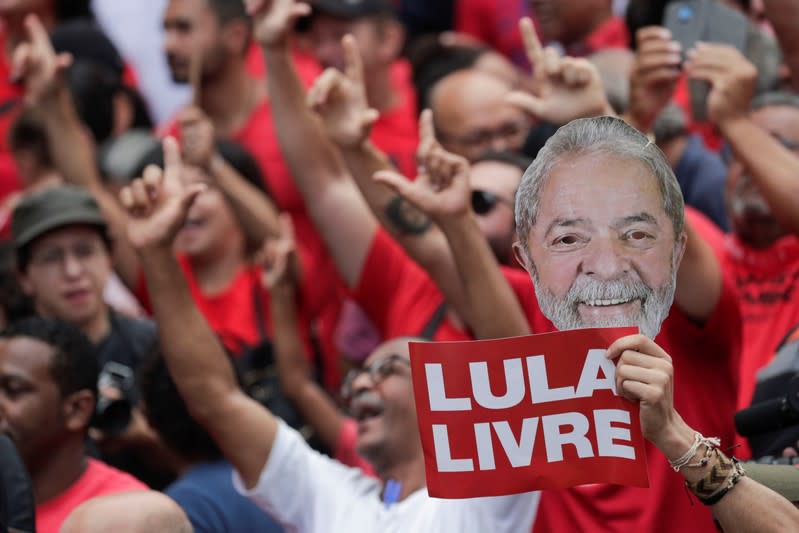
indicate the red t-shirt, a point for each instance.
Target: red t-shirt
{"x":766,"y":283}
{"x":706,"y":362}
{"x":495,"y":23}
{"x":10,"y":105}
{"x":98,"y":479}
{"x":231,"y":313}
{"x":401,"y":299}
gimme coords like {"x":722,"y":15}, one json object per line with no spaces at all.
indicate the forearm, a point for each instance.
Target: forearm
{"x":254,"y":210}
{"x":772,"y":166}
{"x":74,"y":157}
{"x":748,"y":507}
{"x":490,"y":307}
{"x":193,"y":354}
{"x":314,"y":405}
{"x":783,"y":16}
{"x":308,"y":152}
{"x":699,"y":278}
{"x":413,"y":229}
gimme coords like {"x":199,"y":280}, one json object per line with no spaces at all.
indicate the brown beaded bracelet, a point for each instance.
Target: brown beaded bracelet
{"x":722,"y":477}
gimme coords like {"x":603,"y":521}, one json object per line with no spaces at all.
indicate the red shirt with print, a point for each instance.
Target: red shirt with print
{"x":98,"y":479}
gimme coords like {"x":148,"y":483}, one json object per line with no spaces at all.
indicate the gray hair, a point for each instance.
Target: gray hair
{"x":600,"y":136}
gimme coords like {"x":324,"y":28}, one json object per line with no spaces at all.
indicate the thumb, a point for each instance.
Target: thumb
{"x":369,"y":117}
{"x":403,"y":186}
{"x":526,"y":102}
{"x":190,"y":194}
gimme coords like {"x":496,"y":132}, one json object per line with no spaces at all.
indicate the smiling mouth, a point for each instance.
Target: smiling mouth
{"x":605,"y":303}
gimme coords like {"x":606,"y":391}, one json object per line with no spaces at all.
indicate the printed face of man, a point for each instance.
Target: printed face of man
{"x":603,"y":252}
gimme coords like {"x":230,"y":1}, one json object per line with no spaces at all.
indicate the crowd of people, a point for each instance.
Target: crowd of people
{"x":223,"y":221}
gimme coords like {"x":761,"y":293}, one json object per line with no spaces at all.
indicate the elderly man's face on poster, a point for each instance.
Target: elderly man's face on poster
{"x":602,"y":251}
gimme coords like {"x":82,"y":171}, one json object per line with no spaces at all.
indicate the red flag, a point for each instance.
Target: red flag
{"x":527,"y":413}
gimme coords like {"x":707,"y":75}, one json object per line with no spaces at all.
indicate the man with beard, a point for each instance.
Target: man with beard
{"x":308,"y":492}
{"x":600,"y":220}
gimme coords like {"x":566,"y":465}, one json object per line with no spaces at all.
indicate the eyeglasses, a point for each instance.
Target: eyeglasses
{"x":378,"y":371}
{"x":484,"y":138}
{"x":484,"y":202}
{"x":56,"y":255}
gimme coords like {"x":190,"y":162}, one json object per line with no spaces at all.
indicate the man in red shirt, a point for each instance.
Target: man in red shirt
{"x":48,"y":388}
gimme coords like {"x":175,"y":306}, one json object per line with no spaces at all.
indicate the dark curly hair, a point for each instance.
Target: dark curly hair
{"x":74,"y":365}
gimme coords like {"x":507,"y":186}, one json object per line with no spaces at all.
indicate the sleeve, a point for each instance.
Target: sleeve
{"x":201,"y":512}
{"x":381,"y":279}
{"x":300,"y":487}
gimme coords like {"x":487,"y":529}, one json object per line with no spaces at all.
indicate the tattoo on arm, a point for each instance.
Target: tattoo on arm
{"x":406,"y":218}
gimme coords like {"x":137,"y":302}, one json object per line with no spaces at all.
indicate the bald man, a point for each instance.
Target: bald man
{"x":471,"y":116}
{"x":128,"y":512}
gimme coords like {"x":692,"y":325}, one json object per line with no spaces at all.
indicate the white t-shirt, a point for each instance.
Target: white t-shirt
{"x":308,"y":492}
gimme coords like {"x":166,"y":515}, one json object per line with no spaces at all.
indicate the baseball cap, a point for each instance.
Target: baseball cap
{"x":782,"y":479}
{"x":351,"y":9}
{"x":53,"y":208}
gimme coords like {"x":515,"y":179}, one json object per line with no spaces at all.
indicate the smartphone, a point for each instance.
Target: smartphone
{"x":709,"y":21}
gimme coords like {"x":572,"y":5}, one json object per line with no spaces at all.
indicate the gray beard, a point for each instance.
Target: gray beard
{"x":563,"y":312}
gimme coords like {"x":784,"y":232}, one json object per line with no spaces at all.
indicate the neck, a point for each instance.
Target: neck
{"x":96,"y":328}
{"x":59,"y":469}
{"x":15,"y":26}
{"x":410,"y":474}
{"x":379,"y":91}
{"x":216,"y":272}
{"x":230,"y":98}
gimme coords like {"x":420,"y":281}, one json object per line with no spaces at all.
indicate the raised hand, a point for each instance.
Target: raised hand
{"x":442,"y":188}
{"x":36,"y":65}
{"x":654,"y":76}
{"x":279,"y":258}
{"x":197,"y":136}
{"x":339,"y":98}
{"x":731,"y":76}
{"x":158,"y":202}
{"x":274,"y":20}
{"x":564,"y":89}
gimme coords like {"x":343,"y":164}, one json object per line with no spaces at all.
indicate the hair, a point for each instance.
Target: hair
{"x":28,"y":134}
{"x":14,"y":302}
{"x":71,"y":9}
{"x":508,"y":157}
{"x":93,"y":87}
{"x":228,"y":10}
{"x":432,"y":61}
{"x":74,"y":365}
{"x":235,"y":154}
{"x":168,"y":415}
{"x":596,"y":136}
{"x":775,"y":99}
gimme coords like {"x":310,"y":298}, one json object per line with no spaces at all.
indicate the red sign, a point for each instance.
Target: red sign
{"x":515,"y":415}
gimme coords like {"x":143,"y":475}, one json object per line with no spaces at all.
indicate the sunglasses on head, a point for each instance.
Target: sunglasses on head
{"x":484,"y":202}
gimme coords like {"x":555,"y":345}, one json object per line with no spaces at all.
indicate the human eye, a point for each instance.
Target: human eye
{"x":568,"y":240}
{"x":638,"y":235}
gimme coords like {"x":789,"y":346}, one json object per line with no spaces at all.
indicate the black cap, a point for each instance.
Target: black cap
{"x":352,"y":9}
{"x":53,"y":208}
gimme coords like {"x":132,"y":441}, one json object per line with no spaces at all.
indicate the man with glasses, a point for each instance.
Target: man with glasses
{"x":472,"y":116}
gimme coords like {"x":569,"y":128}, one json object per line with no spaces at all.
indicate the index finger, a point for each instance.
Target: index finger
{"x":353,"y":64}
{"x":38,"y":34}
{"x":427,"y":135}
{"x":638,"y":343}
{"x":173,"y":164}
{"x":532,"y":45}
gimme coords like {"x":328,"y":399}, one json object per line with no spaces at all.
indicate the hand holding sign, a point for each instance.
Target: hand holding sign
{"x":442,"y":189}
{"x":340,"y":100}
{"x":564,"y":88}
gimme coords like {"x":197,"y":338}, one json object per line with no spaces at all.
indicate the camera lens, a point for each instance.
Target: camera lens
{"x":112,"y":416}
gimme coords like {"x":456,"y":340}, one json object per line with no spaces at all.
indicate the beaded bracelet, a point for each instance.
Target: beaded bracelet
{"x":724,"y":475}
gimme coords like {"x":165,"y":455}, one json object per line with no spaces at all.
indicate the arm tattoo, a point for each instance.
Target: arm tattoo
{"x":406,"y":218}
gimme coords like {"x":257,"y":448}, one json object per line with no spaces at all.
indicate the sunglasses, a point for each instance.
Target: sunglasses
{"x":484,"y":202}
{"x":378,"y":371}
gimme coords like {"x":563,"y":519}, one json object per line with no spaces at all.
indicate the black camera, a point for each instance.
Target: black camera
{"x":112,"y":415}
{"x":772,"y":422}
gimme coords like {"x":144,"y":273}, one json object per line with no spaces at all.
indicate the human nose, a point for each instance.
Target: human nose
{"x":605,"y":259}
{"x":73,"y":267}
{"x":361,"y":381}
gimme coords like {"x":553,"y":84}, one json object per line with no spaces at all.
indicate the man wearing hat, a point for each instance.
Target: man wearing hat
{"x":64,"y":262}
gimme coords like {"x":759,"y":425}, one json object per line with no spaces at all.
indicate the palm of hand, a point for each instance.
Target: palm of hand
{"x":273,"y":23}
{"x":158,"y":225}
{"x":344,"y":113}
{"x":562,"y":102}
{"x":445,"y":197}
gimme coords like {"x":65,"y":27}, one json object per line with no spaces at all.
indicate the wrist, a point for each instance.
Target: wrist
{"x":674,"y":439}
